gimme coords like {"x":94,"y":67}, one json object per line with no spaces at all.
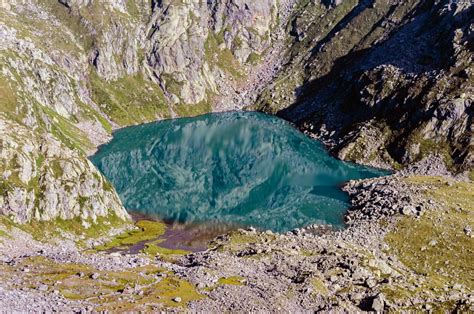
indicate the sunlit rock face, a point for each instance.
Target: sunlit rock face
{"x":238,"y":168}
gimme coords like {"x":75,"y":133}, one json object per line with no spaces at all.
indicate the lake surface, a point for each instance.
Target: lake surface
{"x":238,"y":168}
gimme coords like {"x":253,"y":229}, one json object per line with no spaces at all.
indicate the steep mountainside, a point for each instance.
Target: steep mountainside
{"x":71,"y":71}
{"x":387,"y":83}
{"x":384,"y":83}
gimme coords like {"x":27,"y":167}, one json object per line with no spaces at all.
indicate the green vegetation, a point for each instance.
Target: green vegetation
{"x":429,"y":146}
{"x":65,"y":131}
{"x":146,"y":230}
{"x":4,"y":234}
{"x":46,"y":231}
{"x":7,"y":95}
{"x":90,"y":114}
{"x":436,"y":246}
{"x":189,"y":110}
{"x":129,"y":100}
{"x":153,"y":249}
{"x":62,"y":40}
{"x":233,"y":280}
{"x":111,"y":290}
{"x":222,"y":58}
{"x":254,"y":58}
{"x":237,"y":241}
{"x":172,"y":85}
{"x":319,"y":286}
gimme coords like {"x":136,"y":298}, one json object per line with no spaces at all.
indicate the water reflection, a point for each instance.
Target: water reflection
{"x":231,"y":168}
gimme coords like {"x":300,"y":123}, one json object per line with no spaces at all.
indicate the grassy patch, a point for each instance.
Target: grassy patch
{"x":129,"y":100}
{"x":153,"y":249}
{"x":233,"y":280}
{"x":222,"y":58}
{"x":435,"y":246}
{"x":67,"y":132}
{"x":141,"y":288}
{"x":429,"y":146}
{"x":45,"y":231}
{"x":4,"y":234}
{"x":190,"y":110}
{"x":237,"y":241}
{"x":319,"y":286}
{"x":254,"y":58}
{"x":146,"y":230}
{"x":7,"y":95}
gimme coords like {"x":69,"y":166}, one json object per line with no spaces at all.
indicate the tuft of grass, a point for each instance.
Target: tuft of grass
{"x":4,"y":234}
{"x":46,"y":231}
{"x":153,"y":249}
{"x":319,"y":286}
{"x":233,"y":280}
{"x":146,"y":230}
{"x":254,"y":58}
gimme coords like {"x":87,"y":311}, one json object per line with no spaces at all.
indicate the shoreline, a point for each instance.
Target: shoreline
{"x":360,"y":266}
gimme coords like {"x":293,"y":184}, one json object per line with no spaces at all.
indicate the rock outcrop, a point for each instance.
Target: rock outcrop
{"x":71,"y":71}
{"x":42,"y":180}
{"x":196,"y":43}
{"x":384,"y":83}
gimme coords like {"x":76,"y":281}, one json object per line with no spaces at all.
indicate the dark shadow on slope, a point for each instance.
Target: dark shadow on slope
{"x":417,"y":50}
{"x":358,"y":9}
{"x":424,"y":31}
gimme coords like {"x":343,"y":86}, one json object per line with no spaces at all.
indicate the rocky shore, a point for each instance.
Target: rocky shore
{"x":377,"y":263}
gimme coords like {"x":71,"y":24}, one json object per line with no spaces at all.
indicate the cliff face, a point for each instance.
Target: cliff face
{"x":42,"y":179}
{"x":196,"y":43}
{"x":72,"y":70}
{"x":382,"y":83}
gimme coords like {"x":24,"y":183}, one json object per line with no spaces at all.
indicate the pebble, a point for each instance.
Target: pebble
{"x":95,"y":276}
{"x":433,"y":242}
{"x":43,"y":287}
{"x":201,"y":285}
{"x":371,"y":282}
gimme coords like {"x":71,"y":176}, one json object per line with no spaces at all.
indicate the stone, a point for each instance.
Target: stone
{"x":378,"y":303}
{"x":433,"y":243}
{"x":43,"y":287}
{"x":371,"y":282}
{"x":468,"y":231}
{"x":177,"y":299}
{"x":201,"y":285}
{"x":95,"y":276}
{"x":408,"y":210}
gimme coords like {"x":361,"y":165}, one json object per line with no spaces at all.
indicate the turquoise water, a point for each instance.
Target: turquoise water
{"x":247,"y":169}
